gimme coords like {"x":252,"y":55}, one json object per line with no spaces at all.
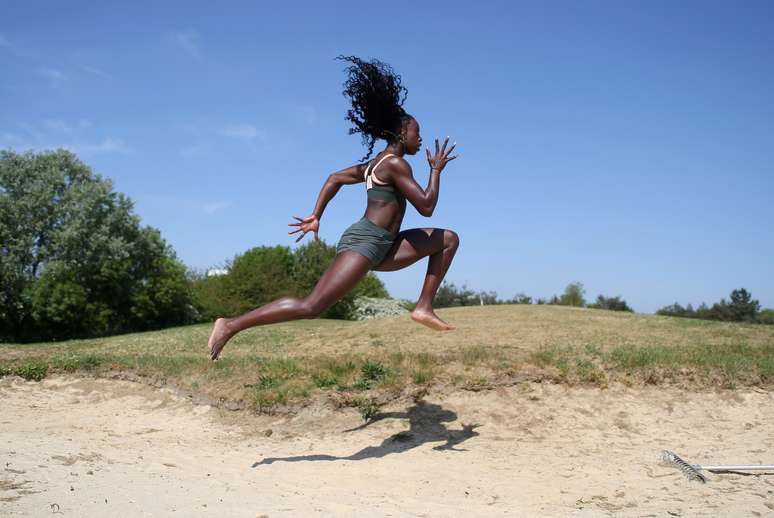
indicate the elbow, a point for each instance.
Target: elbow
{"x":426,"y":212}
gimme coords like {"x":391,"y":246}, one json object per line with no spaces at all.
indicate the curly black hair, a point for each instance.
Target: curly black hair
{"x":377,"y":98}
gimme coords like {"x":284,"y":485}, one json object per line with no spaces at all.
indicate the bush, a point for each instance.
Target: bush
{"x":573,"y":295}
{"x":449,"y":295}
{"x":366,"y":308}
{"x":521,"y":298}
{"x":611,"y":304}
{"x":30,"y":371}
{"x":263,"y":274}
{"x":258,"y":276}
{"x":676,"y":310}
{"x":766,"y":317}
{"x":211,"y":298}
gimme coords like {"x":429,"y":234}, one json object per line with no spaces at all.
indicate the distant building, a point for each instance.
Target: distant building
{"x":214,"y":272}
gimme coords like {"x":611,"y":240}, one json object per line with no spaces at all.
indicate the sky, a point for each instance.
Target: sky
{"x":625,"y":145}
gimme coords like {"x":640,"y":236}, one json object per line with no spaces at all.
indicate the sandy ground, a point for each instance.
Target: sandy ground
{"x":95,"y":448}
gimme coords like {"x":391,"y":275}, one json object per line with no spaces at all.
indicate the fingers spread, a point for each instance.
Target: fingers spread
{"x":445,"y":142}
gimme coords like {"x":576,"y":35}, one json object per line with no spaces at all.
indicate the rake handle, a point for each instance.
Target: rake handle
{"x":736,"y":467}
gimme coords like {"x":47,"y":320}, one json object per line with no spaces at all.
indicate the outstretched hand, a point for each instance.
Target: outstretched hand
{"x":309,"y":223}
{"x":441,"y":157}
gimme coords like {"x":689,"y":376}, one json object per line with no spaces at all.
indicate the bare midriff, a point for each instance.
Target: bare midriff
{"x":386,"y":214}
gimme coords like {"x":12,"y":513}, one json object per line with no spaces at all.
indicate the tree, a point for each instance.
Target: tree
{"x":766,"y":316}
{"x":742,"y":306}
{"x":74,"y":260}
{"x":449,"y":295}
{"x":263,"y":274}
{"x":611,"y":304}
{"x":260,"y":275}
{"x":573,"y":295}
{"x":673,"y":310}
{"x":521,"y":298}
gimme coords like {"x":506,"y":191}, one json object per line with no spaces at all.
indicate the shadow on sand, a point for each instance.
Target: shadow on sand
{"x":425,"y":425}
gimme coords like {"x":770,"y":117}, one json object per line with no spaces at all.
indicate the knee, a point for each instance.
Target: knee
{"x":311,"y":308}
{"x":451,"y":239}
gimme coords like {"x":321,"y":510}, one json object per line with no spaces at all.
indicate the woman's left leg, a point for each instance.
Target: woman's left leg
{"x":439,"y":245}
{"x":340,"y":278}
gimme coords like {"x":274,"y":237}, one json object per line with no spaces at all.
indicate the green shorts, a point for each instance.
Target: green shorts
{"x":367,"y":239}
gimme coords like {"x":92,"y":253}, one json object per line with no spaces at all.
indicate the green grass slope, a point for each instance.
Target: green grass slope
{"x":356,"y":363}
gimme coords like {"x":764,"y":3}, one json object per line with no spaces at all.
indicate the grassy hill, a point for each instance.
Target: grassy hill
{"x":368,"y":362}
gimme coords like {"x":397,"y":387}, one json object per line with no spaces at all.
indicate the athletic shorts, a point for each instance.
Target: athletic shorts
{"x":367,"y":239}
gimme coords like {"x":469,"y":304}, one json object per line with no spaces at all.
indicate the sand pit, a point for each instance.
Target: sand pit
{"x":95,"y":448}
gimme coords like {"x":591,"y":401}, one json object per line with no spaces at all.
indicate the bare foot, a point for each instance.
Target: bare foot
{"x":430,"y":319}
{"x":218,"y":338}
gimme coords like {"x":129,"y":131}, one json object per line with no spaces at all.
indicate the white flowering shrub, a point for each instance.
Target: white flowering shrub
{"x":367,"y":308}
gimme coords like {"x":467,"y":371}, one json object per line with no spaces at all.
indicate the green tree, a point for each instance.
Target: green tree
{"x":675,"y":310}
{"x":573,"y":295}
{"x":263,"y":274}
{"x":742,"y":306}
{"x":211,"y":297}
{"x":260,"y":275}
{"x":766,"y":316}
{"x":449,"y":295}
{"x":521,"y":298}
{"x":611,"y":304}
{"x":371,"y":286}
{"x":74,"y":260}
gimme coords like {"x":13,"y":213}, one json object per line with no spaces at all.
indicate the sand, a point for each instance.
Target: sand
{"x":96,"y":448}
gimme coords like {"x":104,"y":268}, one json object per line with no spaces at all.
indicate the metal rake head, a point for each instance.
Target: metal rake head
{"x":689,"y":471}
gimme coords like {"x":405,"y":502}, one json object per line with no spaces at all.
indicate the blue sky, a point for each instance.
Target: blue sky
{"x":626,"y":145}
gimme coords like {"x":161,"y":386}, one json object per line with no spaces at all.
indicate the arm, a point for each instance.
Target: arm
{"x":331,"y":186}
{"x":347,"y":176}
{"x":424,"y":200}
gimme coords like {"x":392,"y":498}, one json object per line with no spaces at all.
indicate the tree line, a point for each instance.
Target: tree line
{"x":740,"y":307}
{"x":449,"y":295}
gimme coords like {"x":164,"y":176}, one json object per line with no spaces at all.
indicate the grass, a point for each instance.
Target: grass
{"x":270,"y":367}
{"x":368,"y":408}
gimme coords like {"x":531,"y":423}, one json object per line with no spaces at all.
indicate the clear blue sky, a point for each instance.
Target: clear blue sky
{"x":626,"y":145}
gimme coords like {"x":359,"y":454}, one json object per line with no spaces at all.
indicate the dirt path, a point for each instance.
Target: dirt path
{"x":95,"y":448}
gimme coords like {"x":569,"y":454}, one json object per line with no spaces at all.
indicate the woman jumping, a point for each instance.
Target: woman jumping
{"x":375,"y":242}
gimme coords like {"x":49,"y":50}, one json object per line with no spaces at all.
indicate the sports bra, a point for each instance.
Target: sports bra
{"x":377,"y":189}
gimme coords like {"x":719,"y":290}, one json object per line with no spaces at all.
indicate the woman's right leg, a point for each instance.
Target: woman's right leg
{"x":339,"y":279}
{"x":439,"y":245}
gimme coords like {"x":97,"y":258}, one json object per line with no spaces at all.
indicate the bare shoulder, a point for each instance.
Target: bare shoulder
{"x":398,"y":165}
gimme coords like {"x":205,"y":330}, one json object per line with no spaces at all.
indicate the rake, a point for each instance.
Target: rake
{"x":693,"y":471}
